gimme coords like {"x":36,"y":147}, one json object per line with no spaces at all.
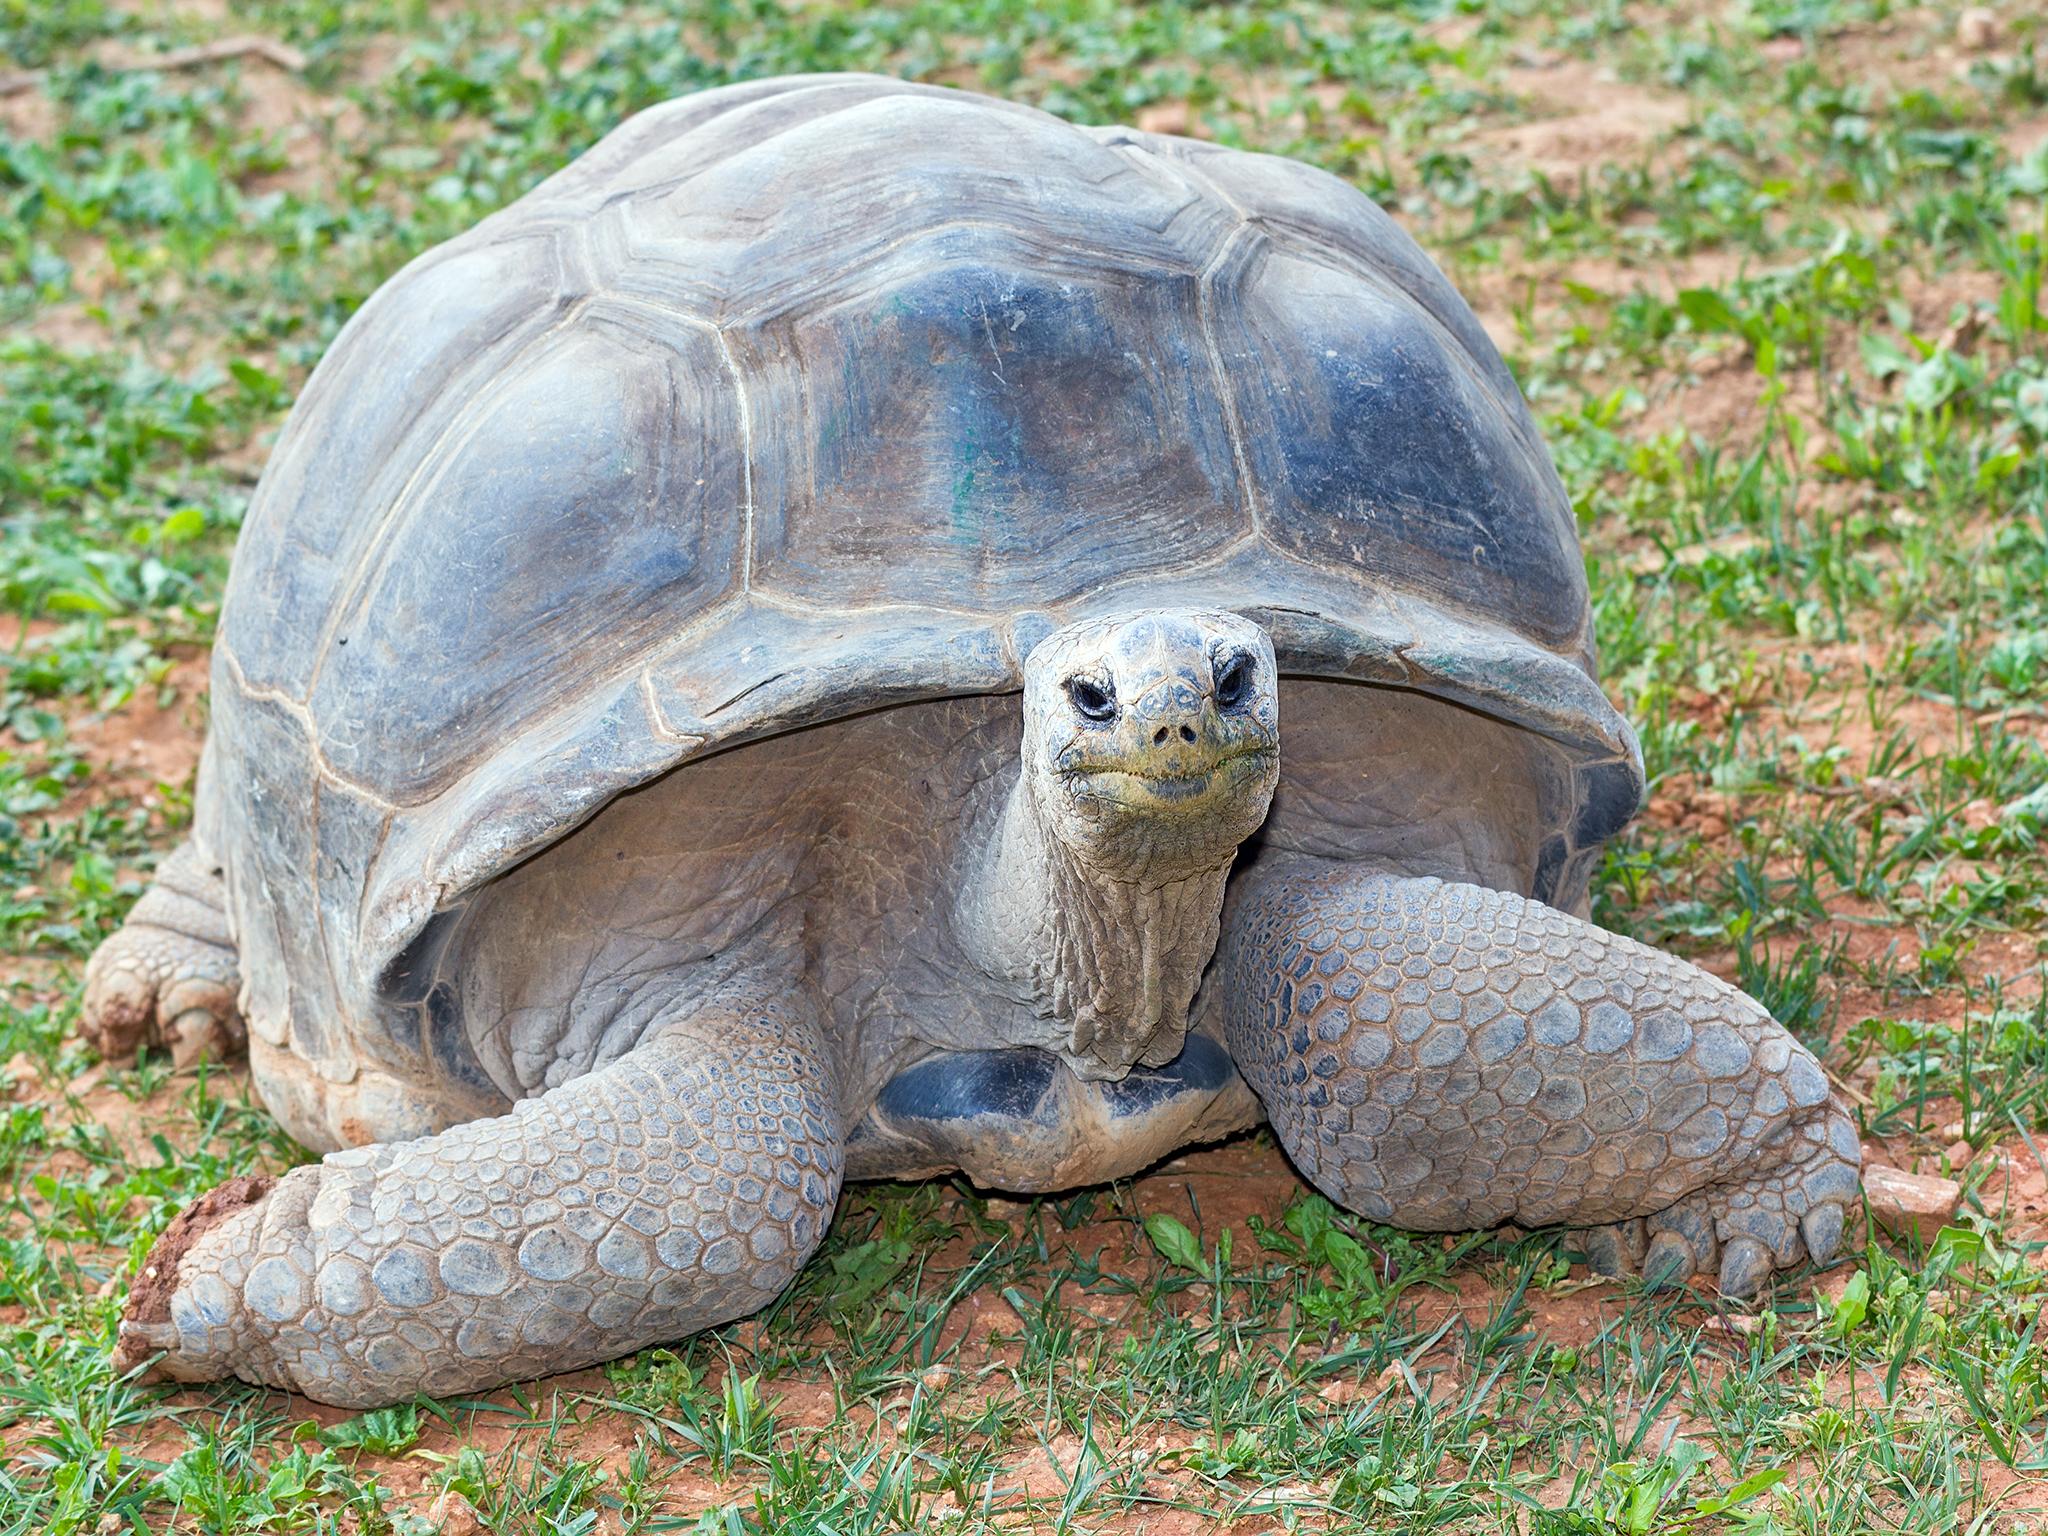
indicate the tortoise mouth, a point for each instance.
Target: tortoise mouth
{"x":1171,"y":785}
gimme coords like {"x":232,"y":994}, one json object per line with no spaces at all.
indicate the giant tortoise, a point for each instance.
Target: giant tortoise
{"x":764,"y":663}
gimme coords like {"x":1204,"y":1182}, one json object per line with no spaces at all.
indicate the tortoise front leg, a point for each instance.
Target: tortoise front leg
{"x":1444,"y":1057}
{"x":682,"y":1186}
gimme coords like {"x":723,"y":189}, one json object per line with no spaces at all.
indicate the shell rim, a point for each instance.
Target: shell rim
{"x":648,"y":725}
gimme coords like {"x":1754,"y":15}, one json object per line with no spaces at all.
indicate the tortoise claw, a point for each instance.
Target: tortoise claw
{"x":1611,"y":1251}
{"x":1745,"y":1265}
{"x":1602,"y":1248}
{"x":1669,"y":1263}
{"x":1821,"y":1230}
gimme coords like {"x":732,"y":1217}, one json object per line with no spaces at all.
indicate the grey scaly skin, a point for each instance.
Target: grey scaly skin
{"x":679,"y":1187}
{"x":1448,"y":1058}
{"x":1096,"y":903}
{"x":167,"y":980}
{"x":1432,"y":1054}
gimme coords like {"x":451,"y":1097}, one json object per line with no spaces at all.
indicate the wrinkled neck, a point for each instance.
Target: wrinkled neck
{"x":1114,"y":956}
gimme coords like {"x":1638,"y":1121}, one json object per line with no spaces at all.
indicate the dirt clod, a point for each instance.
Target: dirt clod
{"x":1165,"y":117}
{"x":1977,"y":29}
{"x":1916,"y":1202}
{"x":453,"y":1515}
{"x":149,"y":1299}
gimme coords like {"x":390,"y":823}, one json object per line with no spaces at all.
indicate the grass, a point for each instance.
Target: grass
{"x":1771,"y":273}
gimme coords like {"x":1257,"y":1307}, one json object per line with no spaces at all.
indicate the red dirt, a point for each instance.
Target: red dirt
{"x":149,"y":1296}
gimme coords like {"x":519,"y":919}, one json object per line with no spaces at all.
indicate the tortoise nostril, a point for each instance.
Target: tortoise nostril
{"x":1187,"y":733}
{"x":1159,"y":737}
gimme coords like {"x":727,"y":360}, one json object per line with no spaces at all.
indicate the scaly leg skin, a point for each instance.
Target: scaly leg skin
{"x":1448,"y":1058}
{"x":682,"y":1186}
{"x":167,"y":979}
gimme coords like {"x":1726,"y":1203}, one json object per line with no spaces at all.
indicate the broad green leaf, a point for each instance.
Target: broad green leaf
{"x":1853,"y":1307}
{"x":1176,"y":1244}
{"x":1708,"y":310}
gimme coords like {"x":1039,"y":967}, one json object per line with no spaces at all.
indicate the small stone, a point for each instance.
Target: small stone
{"x":453,"y":1515}
{"x":1959,"y":1153}
{"x":1164,"y":117}
{"x":1977,"y":29}
{"x":1902,"y":1201}
{"x":1961,"y":337}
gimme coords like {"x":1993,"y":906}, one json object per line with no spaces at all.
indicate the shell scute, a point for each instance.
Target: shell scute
{"x":1035,"y":435}
{"x":754,"y":226}
{"x":671,"y":140}
{"x":1333,"y":377}
{"x":1305,"y":207}
{"x":600,"y":486}
{"x":400,"y":372}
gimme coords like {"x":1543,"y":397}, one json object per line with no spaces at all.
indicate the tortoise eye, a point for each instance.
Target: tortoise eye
{"x":1092,"y":701}
{"x":1234,"y":681}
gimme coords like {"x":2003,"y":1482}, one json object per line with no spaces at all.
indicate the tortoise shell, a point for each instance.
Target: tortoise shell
{"x":800,"y":397}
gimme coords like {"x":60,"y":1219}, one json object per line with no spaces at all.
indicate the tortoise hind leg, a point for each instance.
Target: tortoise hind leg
{"x":680,"y":1187}
{"x":167,"y":980}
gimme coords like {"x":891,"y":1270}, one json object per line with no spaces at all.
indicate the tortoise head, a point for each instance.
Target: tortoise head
{"x":1152,"y":739}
